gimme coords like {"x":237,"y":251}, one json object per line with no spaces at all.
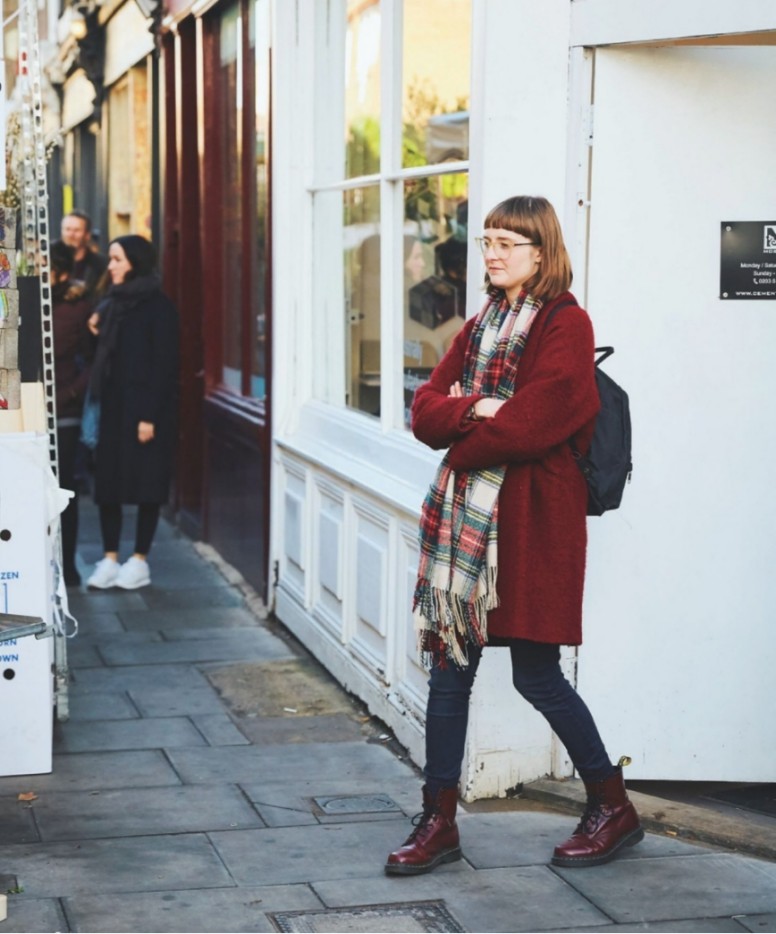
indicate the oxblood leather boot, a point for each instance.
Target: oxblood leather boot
{"x":433,"y":841}
{"x":609,"y":824}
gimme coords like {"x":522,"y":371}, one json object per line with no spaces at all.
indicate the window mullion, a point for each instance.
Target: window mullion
{"x":391,"y":216}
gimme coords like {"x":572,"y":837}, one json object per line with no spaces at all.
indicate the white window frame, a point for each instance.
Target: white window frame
{"x":329,"y":380}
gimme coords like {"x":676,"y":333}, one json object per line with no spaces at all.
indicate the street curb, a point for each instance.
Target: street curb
{"x":743,"y":833}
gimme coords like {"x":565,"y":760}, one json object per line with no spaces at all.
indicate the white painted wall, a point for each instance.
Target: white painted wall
{"x":679,"y":647}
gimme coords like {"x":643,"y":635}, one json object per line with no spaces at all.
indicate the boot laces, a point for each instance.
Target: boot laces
{"x":595,"y":809}
{"x":420,"y":822}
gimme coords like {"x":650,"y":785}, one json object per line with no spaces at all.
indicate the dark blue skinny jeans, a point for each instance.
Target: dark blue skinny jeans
{"x":537,"y":676}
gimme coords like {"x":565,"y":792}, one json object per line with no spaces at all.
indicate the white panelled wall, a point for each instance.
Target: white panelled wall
{"x":347,"y":489}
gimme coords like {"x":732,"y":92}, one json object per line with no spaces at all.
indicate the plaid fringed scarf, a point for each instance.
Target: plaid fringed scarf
{"x":459,"y":520}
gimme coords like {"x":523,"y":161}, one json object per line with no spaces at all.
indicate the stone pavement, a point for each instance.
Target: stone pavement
{"x":212,"y":777}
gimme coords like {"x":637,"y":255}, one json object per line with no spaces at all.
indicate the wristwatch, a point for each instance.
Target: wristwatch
{"x":471,"y":413}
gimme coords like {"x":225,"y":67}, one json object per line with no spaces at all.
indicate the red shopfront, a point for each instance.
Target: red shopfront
{"x":217,"y":263}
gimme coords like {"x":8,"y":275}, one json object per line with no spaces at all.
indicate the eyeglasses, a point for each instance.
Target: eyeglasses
{"x":502,"y":248}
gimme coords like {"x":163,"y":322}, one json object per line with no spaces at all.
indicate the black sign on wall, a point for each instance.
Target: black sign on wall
{"x":748,"y":260}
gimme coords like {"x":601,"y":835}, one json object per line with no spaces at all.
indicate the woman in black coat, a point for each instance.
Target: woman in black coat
{"x":135,"y":379}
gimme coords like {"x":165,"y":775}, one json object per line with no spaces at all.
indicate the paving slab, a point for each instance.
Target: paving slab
{"x":176,"y":701}
{"x":89,"y":771}
{"x":104,"y":601}
{"x":524,"y":838}
{"x":182,"y":634}
{"x":197,"y":617}
{"x":255,"y":644}
{"x":133,"y":864}
{"x":94,"y":622}
{"x":28,"y":915}
{"x":284,"y":687}
{"x":135,"y":677}
{"x":333,"y":728}
{"x":291,"y":803}
{"x":80,"y":654}
{"x":758,"y":922}
{"x":101,"y":707}
{"x":677,"y":887}
{"x":93,"y":735}
{"x":219,"y":730}
{"x":222,"y":595}
{"x":142,"y":812}
{"x":108,"y":638}
{"x":522,"y":899}
{"x":236,"y":909}
{"x":17,"y":821}
{"x":312,"y":854}
{"x":342,"y":762}
{"x":182,"y":572}
{"x":693,"y":926}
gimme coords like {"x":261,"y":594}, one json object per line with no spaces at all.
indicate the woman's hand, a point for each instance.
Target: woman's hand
{"x":145,"y":432}
{"x":94,"y":323}
{"x":483,"y":408}
{"x":487,"y":408}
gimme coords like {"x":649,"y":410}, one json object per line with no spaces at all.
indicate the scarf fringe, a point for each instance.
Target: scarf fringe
{"x":446,"y":624}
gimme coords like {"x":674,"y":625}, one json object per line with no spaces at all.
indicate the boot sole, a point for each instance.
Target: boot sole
{"x":581,"y":862}
{"x":407,"y":869}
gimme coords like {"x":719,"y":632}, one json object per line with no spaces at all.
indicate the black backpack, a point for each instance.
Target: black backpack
{"x":607,"y":465}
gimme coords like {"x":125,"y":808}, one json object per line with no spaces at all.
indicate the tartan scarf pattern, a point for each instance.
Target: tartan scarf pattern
{"x":458,"y":536}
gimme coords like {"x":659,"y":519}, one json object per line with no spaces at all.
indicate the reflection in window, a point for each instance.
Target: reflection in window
{"x":434,"y":273}
{"x":361,"y":263}
{"x":261,"y":297}
{"x":230,"y":108}
{"x":362,"y":88}
{"x":436,"y":80}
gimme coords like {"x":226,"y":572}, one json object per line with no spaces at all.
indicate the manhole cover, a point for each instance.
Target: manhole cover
{"x":403,"y":916}
{"x":356,"y":804}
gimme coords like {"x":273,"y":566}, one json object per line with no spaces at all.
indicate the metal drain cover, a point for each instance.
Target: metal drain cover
{"x":400,"y":916}
{"x":356,"y":804}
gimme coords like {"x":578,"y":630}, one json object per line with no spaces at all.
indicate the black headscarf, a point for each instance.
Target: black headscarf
{"x":139,"y":283}
{"x":140,"y":253}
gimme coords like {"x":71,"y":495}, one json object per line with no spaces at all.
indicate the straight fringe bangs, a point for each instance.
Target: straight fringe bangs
{"x":535,"y":218}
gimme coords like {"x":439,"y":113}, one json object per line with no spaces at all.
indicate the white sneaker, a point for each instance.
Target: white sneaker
{"x":133,"y":573}
{"x":104,"y":574}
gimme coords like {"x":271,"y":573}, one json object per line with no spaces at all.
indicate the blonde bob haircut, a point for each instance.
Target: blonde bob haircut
{"x":535,"y":218}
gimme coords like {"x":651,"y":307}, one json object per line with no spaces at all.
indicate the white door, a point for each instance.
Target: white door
{"x":679,"y":658}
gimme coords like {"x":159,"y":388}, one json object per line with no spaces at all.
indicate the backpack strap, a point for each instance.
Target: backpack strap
{"x":604,"y":351}
{"x":567,"y":304}
{"x":579,"y":457}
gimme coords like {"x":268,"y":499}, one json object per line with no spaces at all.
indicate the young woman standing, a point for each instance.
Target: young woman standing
{"x":503,"y":529}
{"x":135,"y":379}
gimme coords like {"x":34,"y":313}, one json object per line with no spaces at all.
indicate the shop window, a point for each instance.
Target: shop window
{"x":242,"y":107}
{"x":361,"y":267}
{"x":261,"y":303}
{"x":434,"y":273}
{"x":231,"y":93}
{"x":400,"y":164}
